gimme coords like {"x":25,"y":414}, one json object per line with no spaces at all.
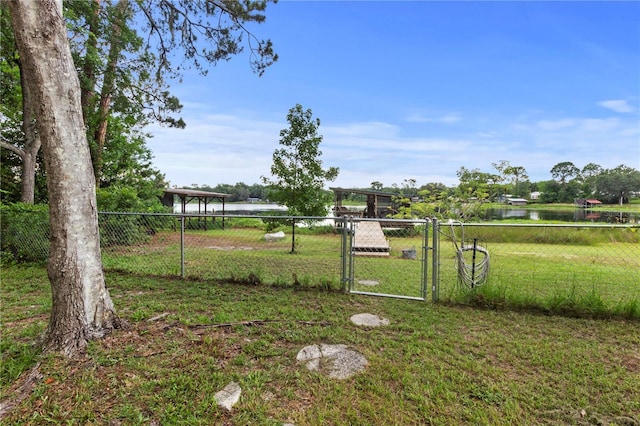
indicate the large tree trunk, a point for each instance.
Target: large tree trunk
{"x":87,"y":84}
{"x":32,"y":143}
{"x":29,"y":154}
{"x":82,"y":308}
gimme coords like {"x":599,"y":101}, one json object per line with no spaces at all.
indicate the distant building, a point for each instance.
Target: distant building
{"x":516,"y":201}
{"x":535,"y":195}
{"x":587,"y":203}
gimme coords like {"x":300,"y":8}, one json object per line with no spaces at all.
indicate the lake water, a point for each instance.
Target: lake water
{"x":233,"y":208}
{"x":572,"y":215}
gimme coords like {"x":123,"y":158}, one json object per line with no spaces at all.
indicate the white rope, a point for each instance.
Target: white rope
{"x":475,"y":274}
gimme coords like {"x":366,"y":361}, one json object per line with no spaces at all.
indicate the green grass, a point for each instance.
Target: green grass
{"x":571,"y":271}
{"x":434,"y":364}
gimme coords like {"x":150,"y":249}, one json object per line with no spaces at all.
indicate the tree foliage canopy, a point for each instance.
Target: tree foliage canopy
{"x":298,"y":177}
{"x":563,"y":171}
{"x":617,"y":184}
{"x":125,"y":53}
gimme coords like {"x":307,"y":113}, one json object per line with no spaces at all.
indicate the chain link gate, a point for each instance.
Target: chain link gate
{"x":388,"y":257}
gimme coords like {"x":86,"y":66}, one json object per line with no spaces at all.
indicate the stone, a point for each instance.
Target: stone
{"x":369,"y":320}
{"x":276,"y":236}
{"x":229,"y":396}
{"x":409,"y":254}
{"x":338,"y":361}
{"x":368,"y":282}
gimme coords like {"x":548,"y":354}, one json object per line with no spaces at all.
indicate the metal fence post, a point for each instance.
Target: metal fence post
{"x":182,"y":246}
{"x":425,"y":262}
{"x":351,"y":230}
{"x":435,"y":268}
{"x":344,"y":249}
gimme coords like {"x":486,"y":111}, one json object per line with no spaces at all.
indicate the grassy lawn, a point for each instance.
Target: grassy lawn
{"x":433,"y":364}
{"x":567,"y":270}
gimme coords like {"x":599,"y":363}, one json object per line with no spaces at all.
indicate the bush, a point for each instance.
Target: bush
{"x":273,"y":224}
{"x":24,"y":232}
{"x":116,"y":229}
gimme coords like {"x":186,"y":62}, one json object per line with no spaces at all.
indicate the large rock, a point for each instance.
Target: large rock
{"x":337,"y":361}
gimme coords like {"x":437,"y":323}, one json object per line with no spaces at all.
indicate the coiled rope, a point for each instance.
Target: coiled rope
{"x":475,"y":274}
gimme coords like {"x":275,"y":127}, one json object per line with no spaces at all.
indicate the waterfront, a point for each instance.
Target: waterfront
{"x":579,"y":215}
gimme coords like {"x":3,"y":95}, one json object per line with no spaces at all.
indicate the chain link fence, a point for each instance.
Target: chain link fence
{"x":526,"y":263}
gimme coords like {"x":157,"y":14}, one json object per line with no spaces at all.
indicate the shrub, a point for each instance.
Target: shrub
{"x":118,"y":229}
{"x":121,"y":229}
{"x":274,"y":223}
{"x":24,"y":232}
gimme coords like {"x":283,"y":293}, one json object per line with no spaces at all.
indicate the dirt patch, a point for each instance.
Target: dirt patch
{"x":631,"y":363}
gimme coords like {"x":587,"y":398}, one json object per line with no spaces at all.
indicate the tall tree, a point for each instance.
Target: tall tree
{"x":298,"y":177}
{"x":513,"y":174}
{"x":563,"y":171}
{"x":474,"y":183}
{"x":618,"y":183}
{"x":376,"y":185}
{"x":517,"y":174}
{"x":82,"y":308}
{"x":117,"y":76}
{"x":19,"y":110}
{"x":123,"y":51}
{"x":589,"y":173}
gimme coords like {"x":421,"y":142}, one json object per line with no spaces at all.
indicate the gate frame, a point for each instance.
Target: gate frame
{"x":348,"y":255}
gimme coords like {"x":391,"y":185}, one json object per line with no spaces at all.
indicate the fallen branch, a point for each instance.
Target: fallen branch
{"x":158,"y":317}
{"x":256,"y":322}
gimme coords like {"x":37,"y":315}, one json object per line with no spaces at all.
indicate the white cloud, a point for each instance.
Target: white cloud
{"x":555,"y":124}
{"x":449,"y":118}
{"x":373,"y":128}
{"x":617,"y":105}
{"x":227,"y":148}
{"x":599,"y":125}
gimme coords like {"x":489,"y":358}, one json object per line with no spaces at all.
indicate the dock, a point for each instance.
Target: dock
{"x":369,"y":240}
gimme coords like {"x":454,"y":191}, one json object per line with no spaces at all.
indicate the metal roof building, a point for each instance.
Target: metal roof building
{"x":188,"y":195}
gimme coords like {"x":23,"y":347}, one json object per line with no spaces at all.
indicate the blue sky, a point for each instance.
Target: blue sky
{"x":416,"y":90}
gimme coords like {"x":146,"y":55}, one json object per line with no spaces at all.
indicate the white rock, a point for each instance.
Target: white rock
{"x":276,"y":236}
{"x":228,"y":396}
{"x":341,"y":362}
{"x":369,"y":320}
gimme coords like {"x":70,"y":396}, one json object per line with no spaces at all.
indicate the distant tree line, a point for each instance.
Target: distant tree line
{"x":611,"y":186}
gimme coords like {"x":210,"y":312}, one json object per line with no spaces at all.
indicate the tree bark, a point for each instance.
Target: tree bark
{"x":108,"y":86}
{"x":32,"y":143}
{"x":82,"y":308}
{"x":87,"y":85}
{"x":28,"y":155}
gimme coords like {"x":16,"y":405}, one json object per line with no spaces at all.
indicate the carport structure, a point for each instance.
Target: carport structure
{"x":379,"y":204}
{"x":188,"y":195}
